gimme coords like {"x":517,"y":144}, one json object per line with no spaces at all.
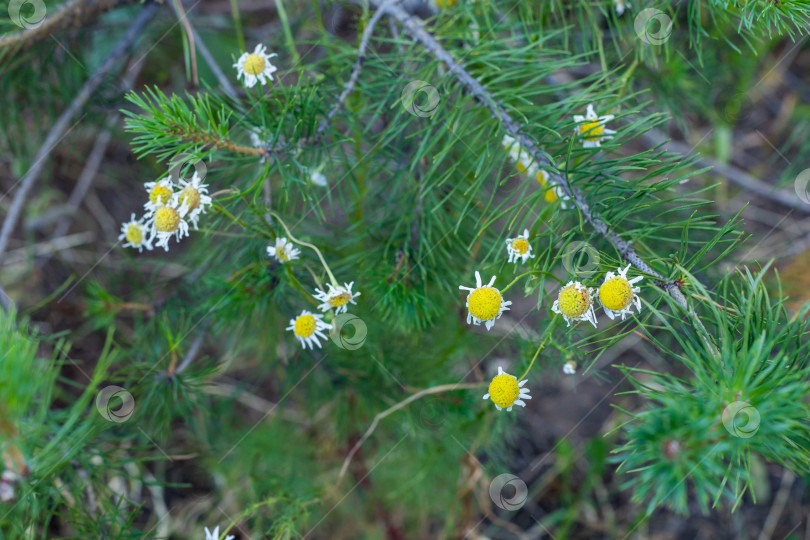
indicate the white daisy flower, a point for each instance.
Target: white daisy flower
{"x":167,"y":221}
{"x":617,"y":294}
{"x":592,"y":128}
{"x":575,"y":303}
{"x":284,"y":250}
{"x":307,"y":328}
{"x":193,"y":198}
{"x":160,"y":193}
{"x":136,"y":235}
{"x":505,"y":391}
{"x":523,"y":161}
{"x":519,"y":248}
{"x":570,"y":368}
{"x":484,"y":303}
{"x":214,"y":535}
{"x":255,"y":67}
{"x":336,"y":297}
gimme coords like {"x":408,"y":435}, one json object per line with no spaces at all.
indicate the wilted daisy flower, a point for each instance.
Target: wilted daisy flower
{"x":166,"y":221}
{"x":505,"y":391}
{"x":336,"y":297}
{"x":592,"y":128}
{"x":255,"y":66}
{"x":570,"y":368}
{"x":193,"y":198}
{"x":484,"y":303}
{"x":575,"y":303}
{"x":135,"y":233}
{"x":519,"y":248}
{"x":617,"y":294}
{"x":160,"y":193}
{"x":308,"y":328}
{"x":214,"y":535}
{"x":284,"y":250}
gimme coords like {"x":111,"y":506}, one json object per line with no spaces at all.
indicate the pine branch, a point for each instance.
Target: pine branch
{"x":483,"y":96}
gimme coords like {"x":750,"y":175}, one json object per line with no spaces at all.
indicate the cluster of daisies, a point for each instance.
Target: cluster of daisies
{"x":575,"y":302}
{"x":308,"y":327}
{"x":169,"y":211}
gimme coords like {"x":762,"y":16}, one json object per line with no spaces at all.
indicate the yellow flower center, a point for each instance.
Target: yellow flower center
{"x":616,"y":293}
{"x":573,"y":302}
{"x":190,"y":196}
{"x":282,"y":254}
{"x":340,"y":300}
{"x":551,"y":195}
{"x":304,"y":326}
{"x":254,"y":64}
{"x":521,"y":245}
{"x":485,"y":303}
{"x":166,"y":219}
{"x":504,"y":390}
{"x":592,"y":130}
{"x":134,"y":234}
{"x":521,"y":167}
{"x":160,"y":194}
{"x":542,"y":177}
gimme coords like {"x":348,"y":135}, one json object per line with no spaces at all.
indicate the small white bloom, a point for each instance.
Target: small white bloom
{"x":620,"y":6}
{"x":525,"y":163}
{"x":7,"y":481}
{"x":575,"y":303}
{"x":193,"y":198}
{"x":214,"y":535}
{"x":570,"y":368}
{"x":317,"y":178}
{"x":618,"y":295}
{"x":505,"y":391}
{"x":136,"y":234}
{"x":166,"y":221}
{"x":308,"y":327}
{"x":159,"y":194}
{"x":255,"y":67}
{"x":485,"y":303}
{"x":592,"y":128}
{"x":519,"y":248}
{"x":336,"y":297}
{"x":284,"y":251}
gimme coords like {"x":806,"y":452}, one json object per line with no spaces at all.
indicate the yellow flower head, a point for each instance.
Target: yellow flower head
{"x":167,"y":219}
{"x":518,"y":248}
{"x":505,"y":391}
{"x":484,"y":302}
{"x":575,"y":303}
{"x":617,"y":294}
{"x":307,"y":328}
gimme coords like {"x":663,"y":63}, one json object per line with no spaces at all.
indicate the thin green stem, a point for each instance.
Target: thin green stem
{"x":297,"y":241}
{"x":237,"y":24}
{"x":549,"y":274}
{"x":546,"y":338}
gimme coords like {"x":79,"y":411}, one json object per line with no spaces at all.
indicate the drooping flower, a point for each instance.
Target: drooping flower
{"x":592,"y":128}
{"x":193,"y":198}
{"x":336,"y":297}
{"x":485,"y":303}
{"x":505,"y":391}
{"x":575,"y":303}
{"x":618,"y":295}
{"x":308,"y":327}
{"x":166,"y":221}
{"x":519,"y":248}
{"x":255,"y":67}
{"x":214,"y":535}
{"x":136,"y":234}
{"x":284,"y":251}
